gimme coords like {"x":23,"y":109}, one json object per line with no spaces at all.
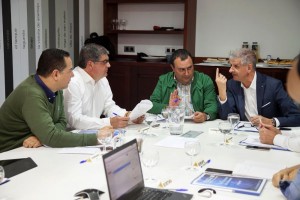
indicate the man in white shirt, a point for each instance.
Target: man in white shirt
{"x":271,"y":135}
{"x":89,"y":95}
{"x":254,"y":96}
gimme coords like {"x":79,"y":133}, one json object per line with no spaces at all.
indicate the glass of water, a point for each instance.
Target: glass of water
{"x":233,"y":119}
{"x":225,"y":128}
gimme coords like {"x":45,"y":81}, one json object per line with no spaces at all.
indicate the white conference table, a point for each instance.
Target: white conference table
{"x":60,"y":176}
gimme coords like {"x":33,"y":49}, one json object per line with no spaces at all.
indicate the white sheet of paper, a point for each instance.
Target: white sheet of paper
{"x":174,"y":141}
{"x":140,"y":109}
{"x":80,"y":150}
{"x":253,"y":140}
{"x":257,"y":169}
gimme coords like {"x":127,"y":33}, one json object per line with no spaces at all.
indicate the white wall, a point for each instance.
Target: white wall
{"x":222,"y":25}
{"x":96,"y":16}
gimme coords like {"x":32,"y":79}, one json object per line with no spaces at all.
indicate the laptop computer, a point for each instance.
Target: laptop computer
{"x":125,"y":178}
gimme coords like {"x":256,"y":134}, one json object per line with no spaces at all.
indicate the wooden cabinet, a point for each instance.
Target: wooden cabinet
{"x":110,"y":11}
{"x":133,"y":81}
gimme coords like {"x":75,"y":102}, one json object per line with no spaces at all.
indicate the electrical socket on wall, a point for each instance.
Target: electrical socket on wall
{"x":169,"y":50}
{"x":129,"y":49}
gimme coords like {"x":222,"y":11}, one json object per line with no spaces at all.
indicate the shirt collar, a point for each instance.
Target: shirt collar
{"x":85,"y":76}
{"x":50,"y":95}
{"x":253,"y":83}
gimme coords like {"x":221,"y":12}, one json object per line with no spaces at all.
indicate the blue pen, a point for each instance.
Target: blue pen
{"x":83,"y":161}
{"x":179,"y":190}
{"x":116,"y":114}
{"x":208,"y":161}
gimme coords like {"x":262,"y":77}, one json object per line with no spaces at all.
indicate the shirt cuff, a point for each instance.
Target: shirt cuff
{"x":222,"y":102}
{"x":279,"y":140}
{"x":277,"y":122}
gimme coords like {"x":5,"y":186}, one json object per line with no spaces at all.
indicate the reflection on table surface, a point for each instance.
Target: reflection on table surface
{"x":60,"y":176}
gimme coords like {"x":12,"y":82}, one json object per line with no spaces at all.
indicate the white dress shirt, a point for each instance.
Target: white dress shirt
{"x":250,"y":99}
{"x":86,"y":100}
{"x":290,"y":141}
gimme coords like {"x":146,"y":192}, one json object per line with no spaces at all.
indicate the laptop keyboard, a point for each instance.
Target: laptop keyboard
{"x":149,"y":194}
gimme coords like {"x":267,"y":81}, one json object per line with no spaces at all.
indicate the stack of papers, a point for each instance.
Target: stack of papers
{"x":253,"y":140}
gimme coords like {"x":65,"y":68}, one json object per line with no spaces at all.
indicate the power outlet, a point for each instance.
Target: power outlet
{"x":169,"y":50}
{"x":129,"y":49}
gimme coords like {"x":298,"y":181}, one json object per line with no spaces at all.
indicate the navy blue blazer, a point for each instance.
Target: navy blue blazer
{"x":272,"y":101}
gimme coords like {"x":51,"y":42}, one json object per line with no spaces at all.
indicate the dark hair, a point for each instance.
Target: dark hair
{"x":183,"y":54}
{"x":91,"y":52}
{"x":50,"y":60}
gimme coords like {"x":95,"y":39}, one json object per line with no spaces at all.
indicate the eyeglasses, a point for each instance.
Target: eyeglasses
{"x":104,"y":62}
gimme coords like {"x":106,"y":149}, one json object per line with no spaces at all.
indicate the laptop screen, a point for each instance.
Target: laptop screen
{"x":123,"y":170}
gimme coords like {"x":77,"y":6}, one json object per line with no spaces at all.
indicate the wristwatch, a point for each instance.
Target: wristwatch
{"x":207,"y":117}
{"x":273,"y":122}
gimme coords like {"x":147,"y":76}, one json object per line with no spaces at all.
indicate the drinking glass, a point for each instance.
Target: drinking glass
{"x":2,"y":174}
{"x":123,"y":23}
{"x":165,"y":112}
{"x":192,"y":148}
{"x":234,"y":119}
{"x":150,"y":120}
{"x":150,"y":159}
{"x":106,"y":139}
{"x":225,"y":128}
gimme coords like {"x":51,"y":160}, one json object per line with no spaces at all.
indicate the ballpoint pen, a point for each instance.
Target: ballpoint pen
{"x":208,"y":161}
{"x":177,"y":189}
{"x":90,"y":159}
{"x":116,"y":114}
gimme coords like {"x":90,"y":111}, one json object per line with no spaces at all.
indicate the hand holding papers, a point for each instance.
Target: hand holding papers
{"x":140,"y":109}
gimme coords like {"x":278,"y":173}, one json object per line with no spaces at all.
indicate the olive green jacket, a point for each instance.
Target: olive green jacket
{"x":203,"y":94}
{"x":28,"y":112}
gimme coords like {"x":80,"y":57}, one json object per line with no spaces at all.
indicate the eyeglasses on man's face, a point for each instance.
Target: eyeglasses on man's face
{"x":104,"y":62}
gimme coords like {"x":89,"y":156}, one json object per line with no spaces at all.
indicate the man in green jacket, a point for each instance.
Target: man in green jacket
{"x":33,"y":114}
{"x":185,"y":87}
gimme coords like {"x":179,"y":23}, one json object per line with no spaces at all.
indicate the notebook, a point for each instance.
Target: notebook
{"x":125,"y":178}
{"x":14,"y":167}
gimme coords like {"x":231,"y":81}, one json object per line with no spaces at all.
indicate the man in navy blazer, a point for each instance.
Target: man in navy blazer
{"x":254,"y":96}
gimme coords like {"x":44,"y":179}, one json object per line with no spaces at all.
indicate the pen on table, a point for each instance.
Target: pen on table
{"x":116,"y":114}
{"x":208,"y":161}
{"x":5,"y":180}
{"x":201,"y":162}
{"x":285,"y":129}
{"x":96,"y":155}
{"x":178,"y":189}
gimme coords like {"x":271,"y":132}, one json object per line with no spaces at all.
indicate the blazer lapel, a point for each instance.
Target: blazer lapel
{"x":260,"y":89}
{"x":241,"y":101}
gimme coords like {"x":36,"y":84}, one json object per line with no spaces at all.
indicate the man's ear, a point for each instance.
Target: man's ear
{"x":250,"y":67}
{"x":55,"y":74}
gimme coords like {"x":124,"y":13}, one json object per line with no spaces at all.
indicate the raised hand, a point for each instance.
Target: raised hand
{"x":221,"y":84}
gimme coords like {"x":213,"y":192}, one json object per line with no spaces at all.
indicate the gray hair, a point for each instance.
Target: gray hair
{"x":91,"y":52}
{"x":247,"y":56}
